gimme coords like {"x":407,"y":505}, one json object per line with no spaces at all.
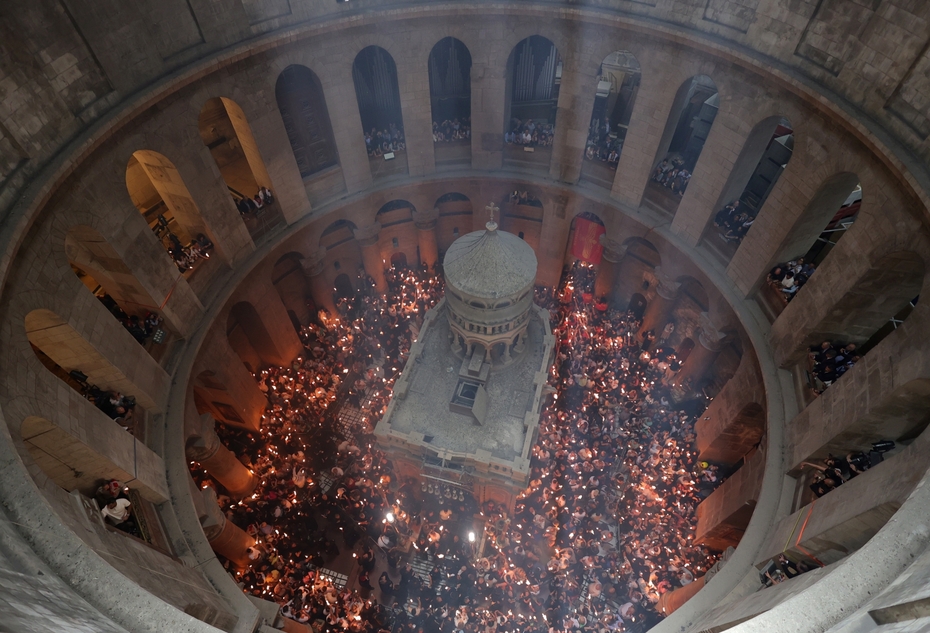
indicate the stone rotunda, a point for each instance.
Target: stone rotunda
{"x":126,"y":124}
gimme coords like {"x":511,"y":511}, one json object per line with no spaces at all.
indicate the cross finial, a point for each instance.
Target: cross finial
{"x":491,"y":209}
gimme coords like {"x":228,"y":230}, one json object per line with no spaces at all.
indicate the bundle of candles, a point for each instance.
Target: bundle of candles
{"x":605,"y":527}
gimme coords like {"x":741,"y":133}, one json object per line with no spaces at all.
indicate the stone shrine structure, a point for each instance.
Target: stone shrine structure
{"x":466,"y":414}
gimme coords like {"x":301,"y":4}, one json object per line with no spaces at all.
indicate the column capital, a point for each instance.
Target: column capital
{"x":367,"y":235}
{"x":314,"y":264}
{"x":207,"y":443}
{"x":613,"y":250}
{"x":426,"y":220}
{"x":710,"y":336}
{"x":667,"y":286}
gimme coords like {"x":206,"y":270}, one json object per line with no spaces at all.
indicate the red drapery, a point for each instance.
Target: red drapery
{"x":586,"y":245}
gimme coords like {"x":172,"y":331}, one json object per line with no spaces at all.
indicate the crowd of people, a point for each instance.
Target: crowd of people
{"x":671,"y":174}
{"x":733,"y":222}
{"x":789,"y":277}
{"x":835,"y":471}
{"x":828,"y":361}
{"x":605,"y":527}
{"x":454,"y":130}
{"x":249,"y":206}
{"x":529,"y":133}
{"x":389,"y":140}
{"x":141,"y":328}
{"x":601,"y":144}
{"x":184,"y":257}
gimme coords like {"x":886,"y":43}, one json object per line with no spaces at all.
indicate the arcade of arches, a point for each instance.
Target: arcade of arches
{"x":223,"y":231}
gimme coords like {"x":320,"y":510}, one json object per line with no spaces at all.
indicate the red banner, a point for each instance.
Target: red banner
{"x":586,"y":245}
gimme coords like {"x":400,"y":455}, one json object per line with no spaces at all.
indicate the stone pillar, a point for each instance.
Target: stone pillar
{"x":724,"y":516}
{"x":607,"y":269}
{"x":367,"y":238}
{"x":702,"y":357}
{"x":425,"y":221}
{"x":488,"y":87}
{"x":660,"y":306}
{"x":225,"y":537}
{"x":320,"y":289}
{"x":576,"y":101}
{"x":219,"y":461}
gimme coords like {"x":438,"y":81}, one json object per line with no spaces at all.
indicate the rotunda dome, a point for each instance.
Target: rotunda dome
{"x":490,"y":264}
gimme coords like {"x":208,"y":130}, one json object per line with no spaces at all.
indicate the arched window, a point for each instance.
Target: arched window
{"x":306,"y":119}
{"x":830,"y":213}
{"x":688,"y":126}
{"x":618,"y":81}
{"x":227,"y":134}
{"x":584,"y":239}
{"x":81,"y":366}
{"x":534,"y":71}
{"x":160,"y":195}
{"x":769,"y":148}
{"x":376,"y":89}
{"x":450,"y":101}
{"x":343,"y":287}
{"x":101,"y":269}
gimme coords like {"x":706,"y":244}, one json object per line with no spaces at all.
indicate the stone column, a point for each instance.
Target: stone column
{"x":219,"y":461}
{"x":425,"y":221}
{"x":576,"y":102}
{"x":607,"y":269}
{"x":320,"y":289}
{"x":661,"y":305}
{"x":225,"y":537}
{"x":488,"y":87}
{"x":702,"y":357}
{"x":367,"y":238}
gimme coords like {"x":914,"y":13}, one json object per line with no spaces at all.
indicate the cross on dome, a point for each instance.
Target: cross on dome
{"x":491,"y":209}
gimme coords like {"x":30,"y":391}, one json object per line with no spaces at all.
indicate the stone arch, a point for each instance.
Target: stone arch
{"x":74,"y":360}
{"x":455,"y":211}
{"x":532,"y":93}
{"x":290,"y":282}
{"x":301,"y":102}
{"x":890,"y":284}
{"x":825,"y":205}
{"x":760,"y":164}
{"x":342,"y":286}
{"x":102,"y":271}
{"x":211,"y":396}
{"x":686,"y":130}
{"x":522,"y":211}
{"x":636,"y":271}
{"x":69,"y":461}
{"x":644,"y":250}
{"x":398,"y":260}
{"x":226,"y":132}
{"x":449,"y":67}
{"x":584,"y":236}
{"x":618,"y":81}
{"x":376,"y":89}
{"x":341,"y":252}
{"x":159,"y":193}
{"x":691,"y":303}
{"x":637,"y":304}
{"x":398,"y":232}
{"x":249,"y":338}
